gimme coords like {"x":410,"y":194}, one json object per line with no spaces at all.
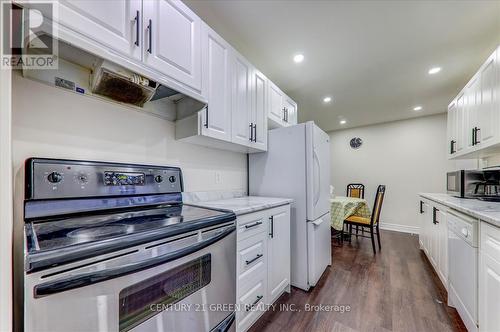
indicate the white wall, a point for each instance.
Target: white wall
{"x":407,"y":156}
{"x":50,"y":122}
{"x":5,"y":192}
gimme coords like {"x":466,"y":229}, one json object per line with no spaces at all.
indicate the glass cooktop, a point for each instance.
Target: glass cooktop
{"x":75,"y":231}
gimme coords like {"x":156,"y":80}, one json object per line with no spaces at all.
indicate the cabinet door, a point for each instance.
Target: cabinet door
{"x":119,"y":31}
{"x":443,"y":247}
{"x":172,"y":45}
{"x":488,"y":106}
{"x":489,"y":293}
{"x":216,"y":121}
{"x":460,"y":123}
{"x":278,"y":253}
{"x":452,"y":128}
{"x":241,"y":100}
{"x":434,"y":238}
{"x":472,"y":99}
{"x":276,"y":113}
{"x":259,"y":110}
{"x":422,"y":228}
{"x":290,"y":112}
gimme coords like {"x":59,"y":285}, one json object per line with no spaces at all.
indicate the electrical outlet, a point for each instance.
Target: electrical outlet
{"x":218,"y":177}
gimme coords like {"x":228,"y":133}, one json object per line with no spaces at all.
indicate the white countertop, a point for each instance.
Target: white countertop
{"x":486,"y":211}
{"x":247,"y":204}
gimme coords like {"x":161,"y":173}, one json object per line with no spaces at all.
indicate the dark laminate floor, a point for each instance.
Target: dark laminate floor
{"x":395,"y":290}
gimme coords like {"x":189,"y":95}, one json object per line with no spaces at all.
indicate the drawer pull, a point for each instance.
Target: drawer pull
{"x":254,"y":259}
{"x":257,"y":223}
{"x":251,"y":306}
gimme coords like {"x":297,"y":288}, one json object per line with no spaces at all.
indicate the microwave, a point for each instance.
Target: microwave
{"x":470,"y":183}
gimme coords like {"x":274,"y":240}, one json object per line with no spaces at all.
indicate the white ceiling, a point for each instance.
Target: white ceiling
{"x":372,"y":57}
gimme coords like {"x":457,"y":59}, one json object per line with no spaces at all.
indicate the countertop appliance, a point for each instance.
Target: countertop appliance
{"x":297,"y":165}
{"x":480,"y":184}
{"x":463,"y":260}
{"x":112,"y":247}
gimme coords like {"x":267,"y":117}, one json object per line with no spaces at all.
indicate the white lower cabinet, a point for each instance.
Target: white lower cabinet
{"x":263,"y":266}
{"x":279,"y":253}
{"x":489,"y":278}
{"x":433,"y":237}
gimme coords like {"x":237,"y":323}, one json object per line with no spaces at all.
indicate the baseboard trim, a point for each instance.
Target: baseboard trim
{"x":399,"y":228}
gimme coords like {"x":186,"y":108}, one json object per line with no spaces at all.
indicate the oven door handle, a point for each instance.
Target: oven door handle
{"x":90,"y":278}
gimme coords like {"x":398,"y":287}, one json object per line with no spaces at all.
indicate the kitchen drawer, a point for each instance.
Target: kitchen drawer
{"x":490,"y":240}
{"x":252,"y":257}
{"x":251,"y":224}
{"x":251,"y":303}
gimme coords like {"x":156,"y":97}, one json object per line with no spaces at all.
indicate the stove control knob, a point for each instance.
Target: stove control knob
{"x":54,"y":177}
{"x":171,"y":179}
{"x":158,"y":178}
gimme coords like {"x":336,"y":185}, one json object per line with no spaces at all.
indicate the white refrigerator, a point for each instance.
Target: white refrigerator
{"x":297,"y":165}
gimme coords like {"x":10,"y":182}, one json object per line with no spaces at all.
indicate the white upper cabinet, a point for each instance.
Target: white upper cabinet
{"x":241,"y":100}
{"x":452,"y":127}
{"x":474,"y":120}
{"x":167,"y":42}
{"x":120,"y":31}
{"x":290,"y":109}
{"x":216,"y":121}
{"x":172,"y":43}
{"x":487,"y":115}
{"x":472,"y":100}
{"x":282,"y":109}
{"x":259,"y":110}
{"x":276,"y":109}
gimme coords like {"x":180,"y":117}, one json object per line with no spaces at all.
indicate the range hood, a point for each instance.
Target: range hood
{"x":88,"y":74}
{"x":114,"y":82}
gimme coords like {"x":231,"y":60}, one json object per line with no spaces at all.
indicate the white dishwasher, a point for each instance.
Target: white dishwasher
{"x":463,"y":267}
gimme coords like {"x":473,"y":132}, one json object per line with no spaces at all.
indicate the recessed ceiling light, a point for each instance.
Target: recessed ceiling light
{"x":417,"y":108}
{"x":434,"y":70}
{"x":327,"y":99}
{"x":298,"y":58}
{"x":342,"y":122}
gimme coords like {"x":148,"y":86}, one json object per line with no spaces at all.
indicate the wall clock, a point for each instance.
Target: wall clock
{"x":356,"y":143}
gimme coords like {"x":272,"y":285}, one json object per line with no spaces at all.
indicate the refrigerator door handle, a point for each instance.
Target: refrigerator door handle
{"x":318,"y":222}
{"x":316,"y":177}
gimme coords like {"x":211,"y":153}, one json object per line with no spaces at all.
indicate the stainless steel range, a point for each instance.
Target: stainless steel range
{"x":111,"y":247}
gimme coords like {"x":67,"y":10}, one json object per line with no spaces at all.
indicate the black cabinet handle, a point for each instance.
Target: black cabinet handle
{"x":434,"y":215}
{"x":251,"y":306}
{"x":477,"y":141}
{"x":251,"y":132}
{"x":253,"y":259}
{"x":284,"y":112}
{"x":421,"y":207}
{"x":452,"y":146}
{"x":150,"y":34}
{"x":271,"y":218}
{"x":257,"y":223}
{"x":137,"y":31}
{"x":206,"y":117}
{"x":255,"y":133}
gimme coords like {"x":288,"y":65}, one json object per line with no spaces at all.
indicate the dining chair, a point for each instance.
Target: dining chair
{"x":356,"y":190}
{"x":373,"y":222}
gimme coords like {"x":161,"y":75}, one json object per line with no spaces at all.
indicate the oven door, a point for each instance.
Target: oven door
{"x":183,"y":284}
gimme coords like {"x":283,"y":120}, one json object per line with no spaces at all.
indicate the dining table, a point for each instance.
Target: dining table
{"x":342,"y":207}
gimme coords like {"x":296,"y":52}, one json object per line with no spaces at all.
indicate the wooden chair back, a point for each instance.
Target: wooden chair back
{"x":377,"y":206}
{"x":356,"y":190}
